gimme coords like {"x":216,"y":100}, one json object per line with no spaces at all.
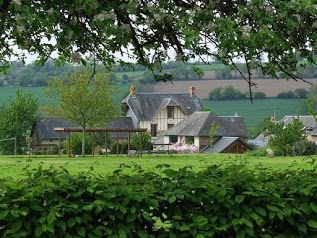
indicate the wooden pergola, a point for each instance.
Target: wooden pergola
{"x":93,"y":131}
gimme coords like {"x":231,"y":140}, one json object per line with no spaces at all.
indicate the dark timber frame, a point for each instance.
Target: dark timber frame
{"x":93,"y":131}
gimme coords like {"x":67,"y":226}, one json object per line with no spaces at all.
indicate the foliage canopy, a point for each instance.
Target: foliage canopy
{"x":285,"y":136}
{"x":146,"y":31}
{"x":82,"y":100}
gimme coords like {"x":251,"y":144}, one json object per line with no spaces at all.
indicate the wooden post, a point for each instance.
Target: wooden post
{"x":106,"y":145}
{"x":141,"y":140}
{"x":117,"y":143}
{"x":129,"y":141}
{"x":93,"y":144}
{"x":59,"y":144}
{"x":69,"y":154}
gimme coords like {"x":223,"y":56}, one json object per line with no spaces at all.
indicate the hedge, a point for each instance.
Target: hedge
{"x":219,"y":201}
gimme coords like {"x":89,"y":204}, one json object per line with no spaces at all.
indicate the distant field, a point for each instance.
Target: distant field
{"x":256,"y":112}
{"x":14,"y":166}
{"x":271,"y":87}
{"x":10,"y":91}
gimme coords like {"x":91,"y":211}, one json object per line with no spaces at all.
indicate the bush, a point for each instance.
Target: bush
{"x":226,"y":93}
{"x":286,"y":95}
{"x":304,"y":148}
{"x":76,"y":145}
{"x":220,"y":201}
{"x":146,"y":141}
{"x":259,"y":95}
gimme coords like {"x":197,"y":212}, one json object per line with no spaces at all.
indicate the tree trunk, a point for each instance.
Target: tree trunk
{"x":83,"y":143}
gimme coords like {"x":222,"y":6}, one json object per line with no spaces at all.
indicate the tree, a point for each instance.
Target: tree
{"x":259,"y":95}
{"x":301,"y":92}
{"x":147,"y":31}
{"x":83,"y":100}
{"x":285,"y":136}
{"x":16,"y":121}
{"x":144,"y":139}
{"x":286,"y":95}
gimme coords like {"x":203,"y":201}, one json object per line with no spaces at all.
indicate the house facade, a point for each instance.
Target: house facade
{"x":203,"y":129}
{"x":158,"y":112}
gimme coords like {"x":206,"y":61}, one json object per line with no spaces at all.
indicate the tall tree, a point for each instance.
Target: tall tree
{"x":16,"y":120}
{"x":84,"y":100}
{"x":282,"y":31}
{"x":284,"y":136}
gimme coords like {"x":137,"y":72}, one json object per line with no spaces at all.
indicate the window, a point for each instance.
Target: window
{"x":153,"y":130}
{"x":170,"y":112}
{"x":169,"y":126}
{"x":173,"y":139}
{"x":189,"y":140}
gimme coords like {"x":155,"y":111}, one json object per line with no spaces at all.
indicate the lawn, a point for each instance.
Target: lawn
{"x":14,"y":166}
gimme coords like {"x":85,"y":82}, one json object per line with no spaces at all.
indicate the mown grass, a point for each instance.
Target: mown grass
{"x":15,"y":166}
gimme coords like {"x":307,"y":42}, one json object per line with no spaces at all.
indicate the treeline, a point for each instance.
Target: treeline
{"x":37,"y":75}
{"x":230,"y":93}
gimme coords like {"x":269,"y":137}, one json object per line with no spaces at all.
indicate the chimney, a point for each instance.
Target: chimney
{"x":132,"y":90}
{"x":191,"y":90}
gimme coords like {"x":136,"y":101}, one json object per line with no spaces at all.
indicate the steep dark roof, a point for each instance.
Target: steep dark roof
{"x":309,"y":123}
{"x":45,"y":128}
{"x":199,"y":124}
{"x":146,"y":105}
{"x":121,"y":122}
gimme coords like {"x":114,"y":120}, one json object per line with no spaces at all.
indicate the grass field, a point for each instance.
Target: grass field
{"x":256,"y":112}
{"x":252,"y":113}
{"x":14,"y":166}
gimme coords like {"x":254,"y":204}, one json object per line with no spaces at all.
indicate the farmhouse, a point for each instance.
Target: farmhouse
{"x":158,"y":112}
{"x":227,"y":134}
{"x":309,"y":123}
{"x":43,"y":133}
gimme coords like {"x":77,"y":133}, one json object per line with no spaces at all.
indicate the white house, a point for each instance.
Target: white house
{"x":160,"y":111}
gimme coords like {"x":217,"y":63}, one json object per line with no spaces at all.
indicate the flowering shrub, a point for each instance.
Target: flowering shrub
{"x":183,"y":148}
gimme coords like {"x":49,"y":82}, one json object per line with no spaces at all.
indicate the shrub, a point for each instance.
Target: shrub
{"x":219,"y":201}
{"x":76,"y":145}
{"x":286,"y":95}
{"x":259,"y":95}
{"x":226,"y":93}
{"x":146,"y":141}
{"x":304,"y":148}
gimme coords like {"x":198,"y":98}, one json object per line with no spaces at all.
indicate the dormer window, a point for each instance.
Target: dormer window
{"x":170,"y":112}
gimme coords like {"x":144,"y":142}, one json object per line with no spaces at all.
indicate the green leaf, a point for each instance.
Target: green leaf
{"x":200,"y":220}
{"x":302,"y":227}
{"x":3,"y":214}
{"x":71,"y":222}
{"x":131,"y":217}
{"x":16,"y":226}
{"x":260,"y":211}
{"x":313,"y":206}
{"x":51,"y":217}
{"x":240,"y":234}
{"x":172,"y":199}
{"x":312,"y":223}
{"x":122,"y":233}
{"x":38,"y":231}
{"x":81,"y":231}
{"x":200,"y":235}
{"x":239,"y":198}
{"x":62,"y":225}
{"x":184,"y":228}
